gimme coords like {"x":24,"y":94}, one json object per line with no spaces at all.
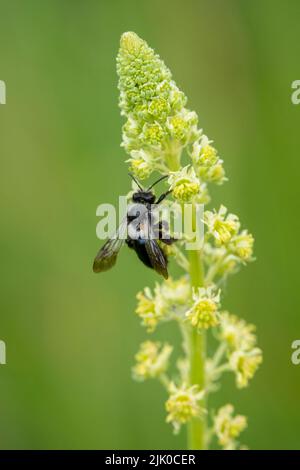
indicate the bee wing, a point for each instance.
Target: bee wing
{"x":155,"y":253}
{"x":107,"y":255}
{"x":157,"y":257}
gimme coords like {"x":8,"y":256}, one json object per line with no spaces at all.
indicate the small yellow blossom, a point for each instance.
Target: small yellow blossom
{"x":151,"y":360}
{"x":221,"y":260}
{"x":159,"y":108}
{"x":242,"y":245}
{"x":221,"y":226}
{"x":139,"y":167}
{"x":146,"y":309}
{"x":245,"y":364}
{"x":141,"y":164}
{"x":183,"y":404}
{"x":153,"y":134}
{"x":176,"y":291}
{"x":208,"y":154}
{"x":166,"y":299}
{"x":206,"y":161}
{"x":203,"y":313}
{"x":203,"y":152}
{"x":180,"y":126}
{"x":215,"y":174}
{"x":228,"y":427}
{"x":185,"y":184}
{"x":237,"y":334}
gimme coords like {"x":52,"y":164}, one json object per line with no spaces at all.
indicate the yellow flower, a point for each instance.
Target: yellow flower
{"x":153,"y":134}
{"x":159,"y":108}
{"x":242,"y":245}
{"x":208,"y":154}
{"x":206,"y":161}
{"x":185,"y":184}
{"x":152,"y":360}
{"x":166,"y":299}
{"x":183,"y":404}
{"x":203,"y":152}
{"x":146,"y":309}
{"x":236,"y":332}
{"x":182,"y":125}
{"x":215,"y":174}
{"x":139,"y":168}
{"x":245,"y":364}
{"x":203,"y":313}
{"x":228,"y":427}
{"x":175,"y":292}
{"x":221,"y":226}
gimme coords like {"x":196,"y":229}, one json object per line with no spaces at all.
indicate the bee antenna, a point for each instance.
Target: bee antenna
{"x":155,"y":182}
{"x":136,"y":181}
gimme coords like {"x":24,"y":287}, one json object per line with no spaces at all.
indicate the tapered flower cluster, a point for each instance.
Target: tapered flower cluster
{"x":158,"y":124}
{"x":159,"y":128}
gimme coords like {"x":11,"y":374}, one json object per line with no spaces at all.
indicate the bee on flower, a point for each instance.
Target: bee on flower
{"x":158,"y":131}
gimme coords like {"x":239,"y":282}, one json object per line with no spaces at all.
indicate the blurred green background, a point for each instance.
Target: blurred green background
{"x":71,"y":335}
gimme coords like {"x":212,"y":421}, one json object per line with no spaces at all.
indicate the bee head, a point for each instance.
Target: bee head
{"x":143,"y":197}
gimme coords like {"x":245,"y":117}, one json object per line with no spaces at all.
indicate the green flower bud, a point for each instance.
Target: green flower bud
{"x":157,"y":119}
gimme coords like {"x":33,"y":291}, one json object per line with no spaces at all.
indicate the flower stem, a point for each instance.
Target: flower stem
{"x":196,"y":340}
{"x":197,"y":353}
{"x":172,"y":157}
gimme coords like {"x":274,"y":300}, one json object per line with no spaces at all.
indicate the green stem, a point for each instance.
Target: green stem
{"x":197,"y":355}
{"x":172,"y":156}
{"x":218,"y":356}
{"x":196,"y":341}
{"x":223,"y":368}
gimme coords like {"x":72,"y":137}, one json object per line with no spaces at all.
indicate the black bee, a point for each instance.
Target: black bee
{"x":142,"y":234}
